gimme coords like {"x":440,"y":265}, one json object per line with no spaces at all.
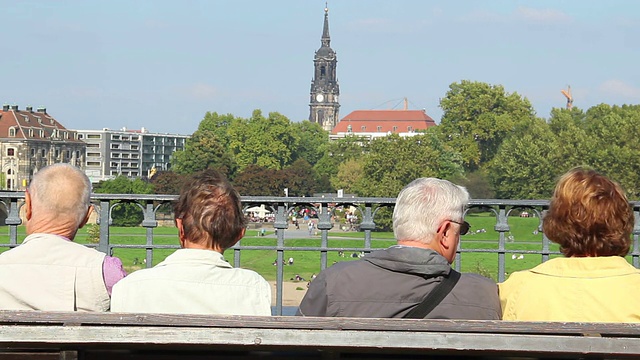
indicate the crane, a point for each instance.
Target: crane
{"x":567,"y":94}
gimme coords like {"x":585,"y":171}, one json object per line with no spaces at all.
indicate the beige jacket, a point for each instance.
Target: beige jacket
{"x":49,"y":272}
{"x":192,"y":281}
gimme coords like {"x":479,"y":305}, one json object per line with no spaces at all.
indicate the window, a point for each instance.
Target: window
{"x":409,"y":129}
{"x":26,"y":118}
{"x":43,"y":152}
{"x":395,"y":129}
{"x":94,"y":136}
{"x":68,"y":154}
{"x":11,"y":152}
{"x":93,"y":154}
{"x":93,"y":163}
{"x":363,"y":128}
{"x":134,"y":156}
{"x":114,"y":164}
{"x":65,"y":135}
{"x":57,"y":153}
{"x":115,"y":146}
{"x":41,"y":133}
{"x":95,"y":146}
{"x":113,"y":172}
{"x":125,"y":138}
{"x":30,"y":132}
{"x":33,"y":152}
{"x":115,"y":137}
{"x":12,"y":132}
{"x":379,"y":128}
{"x":134,"y":147}
{"x":323,"y":71}
{"x":125,"y":156}
{"x":134,"y":138}
{"x":77,"y":154}
{"x":115,"y":155}
{"x":80,"y":136}
{"x":134,"y":173}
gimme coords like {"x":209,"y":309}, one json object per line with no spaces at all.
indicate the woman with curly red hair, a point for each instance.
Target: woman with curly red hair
{"x":590,"y":218}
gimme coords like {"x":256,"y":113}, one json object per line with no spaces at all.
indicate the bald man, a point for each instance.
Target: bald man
{"x":48,"y":271}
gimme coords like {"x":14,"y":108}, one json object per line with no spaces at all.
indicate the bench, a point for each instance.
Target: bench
{"x":69,"y":335}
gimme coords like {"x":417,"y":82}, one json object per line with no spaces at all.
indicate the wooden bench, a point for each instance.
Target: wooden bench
{"x":69,"y":335}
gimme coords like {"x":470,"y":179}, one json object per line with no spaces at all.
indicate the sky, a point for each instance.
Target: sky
{"x":162,"y":64}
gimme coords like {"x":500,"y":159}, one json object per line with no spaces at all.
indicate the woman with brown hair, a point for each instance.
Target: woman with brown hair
{"x":590,"y":218}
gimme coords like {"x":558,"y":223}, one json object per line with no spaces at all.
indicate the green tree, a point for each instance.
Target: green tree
{"x":312,"y":141}
{"x":522,"y":168}
{"x":255,"y":180}
{"x":478,"y":117}
{"x":393,"y":161}
{"x":349,"y":174}
{"x":203,"y":151}
{"x":267,"y":142}
{"x":338,"y":151}
{"x":125,"y":214}
{"x":168,"y":182}
{"x":300,"y":178}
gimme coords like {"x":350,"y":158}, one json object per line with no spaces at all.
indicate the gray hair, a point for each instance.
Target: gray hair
{"x":423,"y":204}
{"x":61,"y":190}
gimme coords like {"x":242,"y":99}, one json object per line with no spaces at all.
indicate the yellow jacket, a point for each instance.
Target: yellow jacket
{"x":586,"y":289}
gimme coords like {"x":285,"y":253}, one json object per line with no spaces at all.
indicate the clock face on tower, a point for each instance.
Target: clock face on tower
{"x":320,"y":98}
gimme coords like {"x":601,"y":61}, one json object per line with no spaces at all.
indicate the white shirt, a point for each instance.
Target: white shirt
{"x":192,"y":281}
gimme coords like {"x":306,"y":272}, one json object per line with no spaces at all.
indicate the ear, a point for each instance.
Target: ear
{"x":180,"y":227}
{"x":86,"y":218}
{"x":444,"y":235}
{"x":27,"y":205}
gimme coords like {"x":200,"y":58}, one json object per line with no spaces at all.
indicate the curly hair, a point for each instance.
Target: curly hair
{"x":589,"y":215}
{"x":210,"y":210}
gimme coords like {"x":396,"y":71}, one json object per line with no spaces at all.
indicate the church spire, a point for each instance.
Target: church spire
{"x":326,"y":39}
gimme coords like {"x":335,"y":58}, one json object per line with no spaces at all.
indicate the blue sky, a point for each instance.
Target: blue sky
{"x":163,"y":64}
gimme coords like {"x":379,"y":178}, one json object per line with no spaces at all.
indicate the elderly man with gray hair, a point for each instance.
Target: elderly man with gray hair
{"x":414,"y":278}
{"x":48,"y":271}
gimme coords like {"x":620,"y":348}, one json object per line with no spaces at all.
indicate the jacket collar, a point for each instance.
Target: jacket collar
{"x":586,"y":267}
{"x":196,"y":256}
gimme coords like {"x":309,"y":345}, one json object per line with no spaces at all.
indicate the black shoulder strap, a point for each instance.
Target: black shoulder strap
{"x":434,"y":297}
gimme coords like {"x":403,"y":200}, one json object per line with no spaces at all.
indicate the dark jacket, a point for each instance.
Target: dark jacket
{"x":389,"y":283}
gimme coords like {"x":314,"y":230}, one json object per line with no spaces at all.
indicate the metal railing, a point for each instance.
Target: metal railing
{"x":325,"y":207}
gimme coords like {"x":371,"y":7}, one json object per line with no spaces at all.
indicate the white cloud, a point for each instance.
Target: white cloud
{"x":541,"y":15}
{"x":620,"y":88}
{"x":202,"y":91}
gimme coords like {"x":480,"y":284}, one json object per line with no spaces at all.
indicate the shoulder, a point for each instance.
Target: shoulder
{"x":476,"y":281}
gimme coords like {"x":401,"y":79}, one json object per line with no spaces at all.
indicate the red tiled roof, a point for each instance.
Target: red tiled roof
{"x":22,"y":121}
{"x":395,"y":121}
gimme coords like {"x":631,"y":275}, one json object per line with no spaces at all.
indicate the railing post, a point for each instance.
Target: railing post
{"x":367,"y":225}
{"x":502,"y":226}
{"x":324,"y":225}
{"x":636,"y":231}
{"x":149,"y":223}
{"x":13,"y":220}
{"x":103,"y":245}
{"x":280,"y":224}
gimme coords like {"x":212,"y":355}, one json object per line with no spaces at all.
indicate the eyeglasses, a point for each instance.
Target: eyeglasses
{"x":464,"y":227}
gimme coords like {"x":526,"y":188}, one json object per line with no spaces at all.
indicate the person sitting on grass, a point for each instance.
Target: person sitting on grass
{"x":49,"y":271}
{"x":590,"y":218}
{"x":197,"y":279}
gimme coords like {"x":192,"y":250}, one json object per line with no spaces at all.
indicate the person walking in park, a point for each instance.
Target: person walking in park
{"x":49,"y":271}
{"x":413,"y":278}
{"x":196,"y":279}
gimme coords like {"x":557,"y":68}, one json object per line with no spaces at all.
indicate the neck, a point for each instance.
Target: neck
{"x":414,"y":243}
{"x":191,"y":245}
{"x":61,"y":228}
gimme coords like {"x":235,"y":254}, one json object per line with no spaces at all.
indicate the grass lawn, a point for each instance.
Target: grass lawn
{"x":521,"y":237}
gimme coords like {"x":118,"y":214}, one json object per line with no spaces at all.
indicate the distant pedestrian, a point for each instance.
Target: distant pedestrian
{"x":311,"y":226}
{"x":290,"y":261}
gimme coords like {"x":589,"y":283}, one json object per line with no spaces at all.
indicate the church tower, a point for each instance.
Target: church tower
{"x":324,"y":104}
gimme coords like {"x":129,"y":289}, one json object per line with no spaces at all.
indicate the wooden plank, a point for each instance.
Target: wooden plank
{"x":125,"y":337}
{"x":310,"y":323}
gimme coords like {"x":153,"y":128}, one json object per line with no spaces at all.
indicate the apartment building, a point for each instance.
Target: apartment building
{"x":132,"y":153}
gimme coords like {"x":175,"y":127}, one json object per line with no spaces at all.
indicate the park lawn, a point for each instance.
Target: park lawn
{"x":307,"y":263}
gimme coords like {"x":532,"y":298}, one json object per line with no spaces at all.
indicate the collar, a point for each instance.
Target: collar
{"x":583,"y":267}
{"x":208,"y":257}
